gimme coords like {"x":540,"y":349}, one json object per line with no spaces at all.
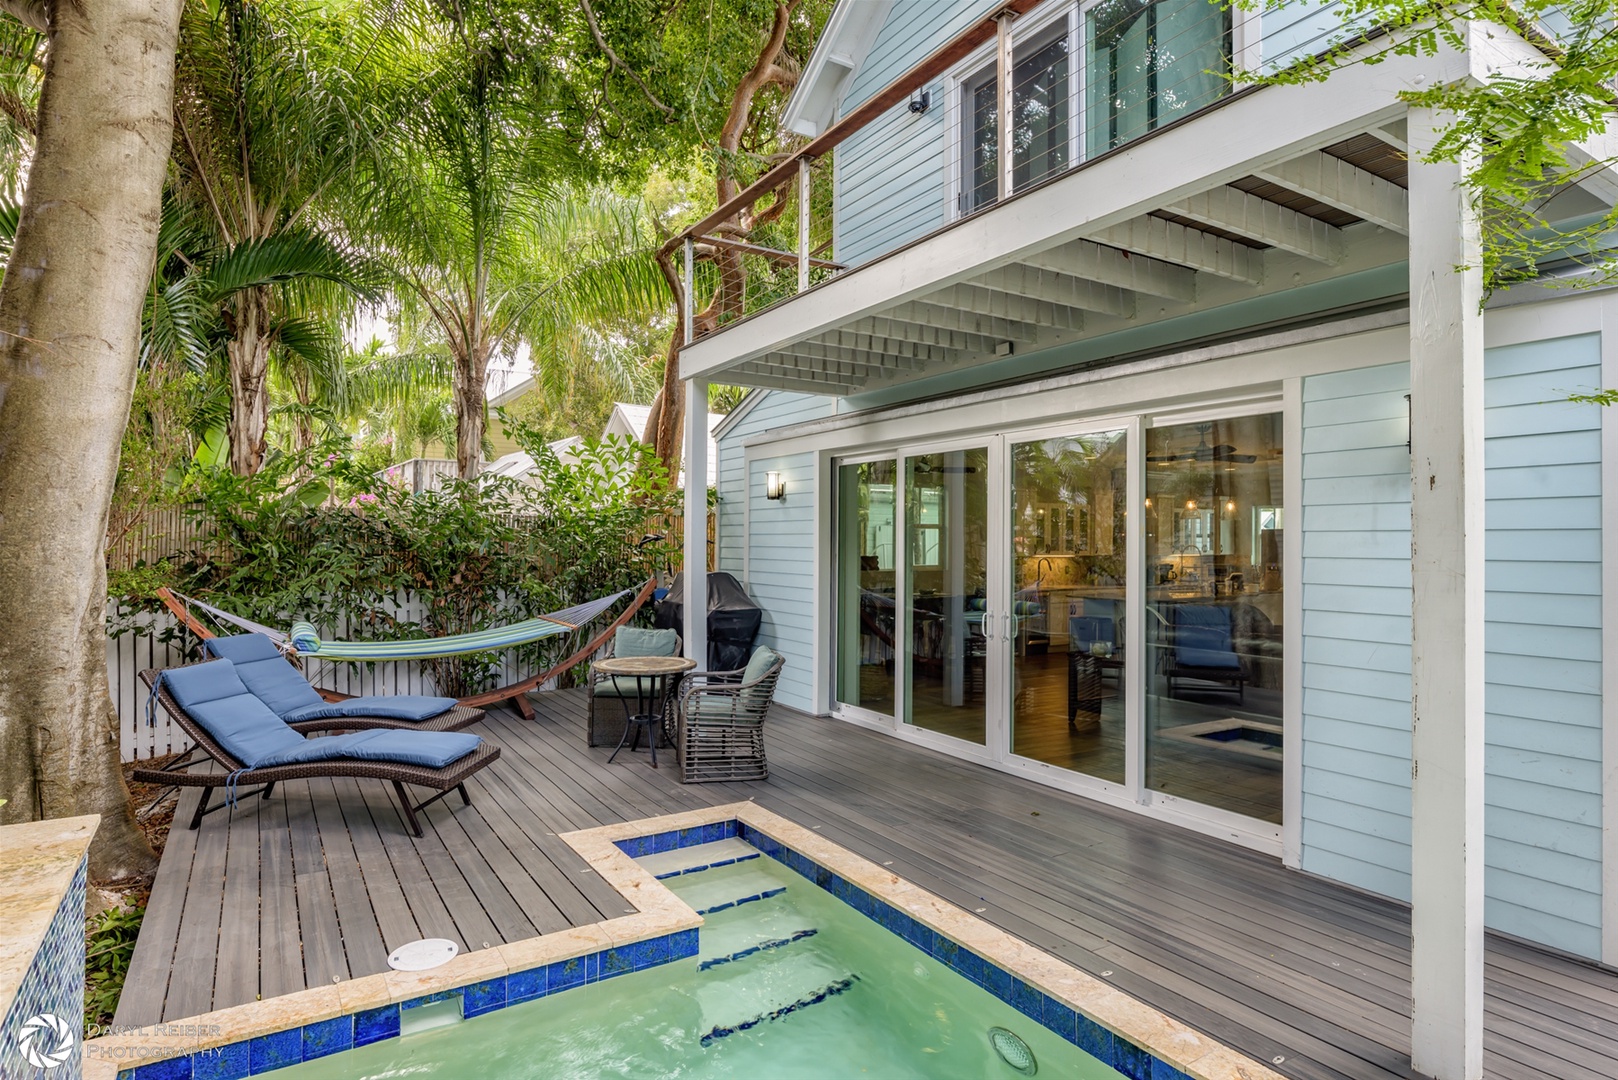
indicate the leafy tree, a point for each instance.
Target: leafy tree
{"x":1518,"y":134}
{"x":69,"y":308}
{"x":268,"y":118}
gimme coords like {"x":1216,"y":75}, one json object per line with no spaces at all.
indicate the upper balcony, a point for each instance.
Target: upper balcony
{"x":1139,"y":203}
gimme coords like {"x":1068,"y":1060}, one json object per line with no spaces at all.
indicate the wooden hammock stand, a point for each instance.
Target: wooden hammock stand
{"x":515,"y":692}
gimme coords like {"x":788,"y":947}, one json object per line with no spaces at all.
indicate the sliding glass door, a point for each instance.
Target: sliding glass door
{"x":867,"y":533}
{"x":1069,"y":602}
{"x":945,"y":605}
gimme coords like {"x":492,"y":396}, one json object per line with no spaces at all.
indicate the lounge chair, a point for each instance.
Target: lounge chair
{"x":271,"y":678}
{"x":722,"y":717}
{"x":255,"y":746}
{"x":1201,"y":648}
{"x":605,"y":726}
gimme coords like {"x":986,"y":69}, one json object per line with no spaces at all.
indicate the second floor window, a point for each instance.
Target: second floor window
{"x":1040,"y":132}
{"x":1144,"y":64}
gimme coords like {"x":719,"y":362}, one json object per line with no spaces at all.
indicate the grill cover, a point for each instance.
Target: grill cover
{"x":733,"y":619}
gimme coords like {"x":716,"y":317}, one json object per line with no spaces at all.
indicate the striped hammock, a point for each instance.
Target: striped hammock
{"x":306,"y":642}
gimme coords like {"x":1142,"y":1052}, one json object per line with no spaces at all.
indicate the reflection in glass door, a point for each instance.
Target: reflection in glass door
{"x":1068,"y":499}
{"x":867,"y":528}
{"x":946,"y":565}
{"x":1214,"y":613}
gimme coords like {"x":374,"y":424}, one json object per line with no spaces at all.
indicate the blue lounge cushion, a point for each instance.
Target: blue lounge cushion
{"x":1223,"y":660}
{"x":434,"y":749}
{"x":387,"y":706}
{"x":216,"y":698}
{"x":265,"y":672}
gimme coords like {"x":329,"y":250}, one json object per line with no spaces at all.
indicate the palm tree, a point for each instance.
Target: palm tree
{"x":471,"y":202}
{"x":268,"y":119}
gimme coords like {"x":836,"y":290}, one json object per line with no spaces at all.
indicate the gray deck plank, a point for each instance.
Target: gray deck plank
{"x":1273,"y":962}
{"x":280,"y":969}
{"x":147,"y":981}
{"x":197,"y":945}
{"x":324,"y":959}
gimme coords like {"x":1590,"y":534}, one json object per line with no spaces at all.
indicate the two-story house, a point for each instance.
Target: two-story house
{"x":1160,"y":452}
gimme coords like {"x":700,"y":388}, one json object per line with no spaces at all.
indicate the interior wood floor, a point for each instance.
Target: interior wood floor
{"x":321,"y":881}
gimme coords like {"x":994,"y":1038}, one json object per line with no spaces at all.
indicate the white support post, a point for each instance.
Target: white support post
{"x":687,"y":282}
{"x":1004,"y":123}
{"x":804,"y":179}
{"x":694,"y":567}
{"x":1446,"y":533}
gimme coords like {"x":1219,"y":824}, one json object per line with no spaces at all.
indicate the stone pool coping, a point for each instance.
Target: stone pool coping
{"x":38,"y":862}
{"x":659,"y":915}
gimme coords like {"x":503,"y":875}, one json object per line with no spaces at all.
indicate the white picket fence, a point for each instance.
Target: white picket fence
{"x":144,"y":737}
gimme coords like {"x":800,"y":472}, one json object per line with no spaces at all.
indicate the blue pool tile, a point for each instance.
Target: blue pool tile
{"x":683,"y":944}
{"x":997,"y":981}
{"x":1061,"y":1019}
{"x":374,"y":1025}
{"x":614,"y":962}
{"x":172,"y":1069}
{"x":277,"y":1050}
{"x":652,"y":952}
{"x":919,"y":934}
{"x":946,"y":952}
{"x":690,"y":837}
{"x":972,"y":965}
{"x":525,"y":985}
{"x":1027,"y":1000}
{"x":327,"y":1037}
{"x":482,"y":997}
{"x":634,"y":847}
{"x":566,"y":974}
{"x":1131,"y":1060}
{"x":1094,"y":1039}
{"x":1162,"y":1070}
{"x":822,"y":877}
{"x":230,"y":1062}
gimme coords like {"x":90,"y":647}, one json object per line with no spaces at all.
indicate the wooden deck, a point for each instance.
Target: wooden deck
{"x":321,"y":881}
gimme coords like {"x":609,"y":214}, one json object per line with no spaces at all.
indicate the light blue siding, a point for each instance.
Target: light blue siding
{"x":1356,"y":627}
{"x":1298,"y":31}
{"x":1543,"y":460}
{"x":892,"y":176}
{"x":1542,"y":637}
{"x":778,"y":570}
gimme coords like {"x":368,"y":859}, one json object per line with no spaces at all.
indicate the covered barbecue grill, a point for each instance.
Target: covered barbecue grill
{"x":733,"y":620}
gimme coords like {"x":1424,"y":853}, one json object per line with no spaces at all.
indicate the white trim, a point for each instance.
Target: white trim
{"x":1292,"y":626}
{"x":747,"y":518}
{"x":1609,"y":642}
{"x":747,"y":404}
{"x":823,"y":585}
{"x":845,"y":41}
{"x":1137,"y":666}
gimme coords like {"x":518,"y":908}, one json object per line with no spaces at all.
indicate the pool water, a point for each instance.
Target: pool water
{"x":793,"y":984}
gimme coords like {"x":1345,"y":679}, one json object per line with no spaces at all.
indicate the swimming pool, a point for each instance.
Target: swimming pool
{"x":789,"y":982}
{"x":795,"y":941}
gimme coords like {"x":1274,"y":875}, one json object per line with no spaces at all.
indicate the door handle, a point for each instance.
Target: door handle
{"x":1010,"y":633}
{"x":988,"y":625}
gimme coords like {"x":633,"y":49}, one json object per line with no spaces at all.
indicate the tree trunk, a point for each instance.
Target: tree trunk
{"x":248,"y":352}
{"x":70,"y":302}
{"x":471,"y":379}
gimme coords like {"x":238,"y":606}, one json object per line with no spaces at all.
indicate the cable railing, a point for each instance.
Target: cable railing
{"x":1077,"y":85}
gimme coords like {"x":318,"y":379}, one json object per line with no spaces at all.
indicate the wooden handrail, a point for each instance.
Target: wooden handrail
{"x":956,"y":50}
{"x":773,"y":254}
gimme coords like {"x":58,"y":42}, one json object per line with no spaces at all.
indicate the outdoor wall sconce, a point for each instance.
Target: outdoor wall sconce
{"x":774,"y":488}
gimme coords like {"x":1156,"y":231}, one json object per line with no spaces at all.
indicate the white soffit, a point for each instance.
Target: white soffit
{"x":848,"y":36}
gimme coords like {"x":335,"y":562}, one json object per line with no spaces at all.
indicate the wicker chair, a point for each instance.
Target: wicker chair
{"x":721,"y":720}
{"x":603,"y":695}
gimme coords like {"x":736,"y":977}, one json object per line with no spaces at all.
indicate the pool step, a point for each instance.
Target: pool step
{"x":768,"y":984}
{"x":700,"y":857}
{"x":710,"y":895}
{"x":830,"y":990}
{"x":753,"y":950}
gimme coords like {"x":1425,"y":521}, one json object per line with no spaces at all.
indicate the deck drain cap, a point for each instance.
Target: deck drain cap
{"x":422,"y":955}
{"x":1013,"y":1051}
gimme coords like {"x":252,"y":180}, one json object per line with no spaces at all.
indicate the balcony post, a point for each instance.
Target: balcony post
{"x":804,"y":178}
{"x":1004,"y":123}
{"x":1447,"y":658}
{"x":686,"y":282}
{"x":694,"y":567}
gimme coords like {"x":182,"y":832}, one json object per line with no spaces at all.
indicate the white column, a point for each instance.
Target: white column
{"x":695,"y":567}
{"x":1005,"y":100}
{"x":1446,"y":534}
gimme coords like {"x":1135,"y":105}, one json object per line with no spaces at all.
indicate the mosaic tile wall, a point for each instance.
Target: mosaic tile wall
{"x":53,"y":987}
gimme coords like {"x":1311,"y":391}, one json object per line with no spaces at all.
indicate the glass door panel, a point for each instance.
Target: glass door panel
{"x":946,"y":601}
{"x":867,"y":531}
{"x":1068,"y":497}
{"x":1214,"y":602}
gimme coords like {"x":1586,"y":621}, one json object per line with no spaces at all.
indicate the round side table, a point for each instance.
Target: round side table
{"x":651,"y":675}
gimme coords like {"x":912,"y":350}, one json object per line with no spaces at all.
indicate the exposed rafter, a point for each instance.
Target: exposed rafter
{"x":886,"y":346}
{"x":1111,"y":266}
{"x":1019,"y":279}
{"x":1005,"y":305}
{"x":848,"y":361}
{"x":1193,"y":248}
{"x":924,"y":334}
{"x":763,"y":373}
{"x":1339,"y":184}
{"x":1247,"y":215}
{"x":935,"y":312}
